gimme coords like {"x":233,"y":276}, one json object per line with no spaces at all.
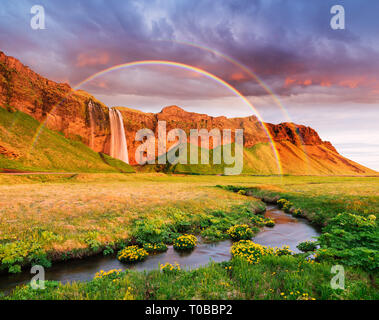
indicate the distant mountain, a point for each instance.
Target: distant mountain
{"x":79,"y":117}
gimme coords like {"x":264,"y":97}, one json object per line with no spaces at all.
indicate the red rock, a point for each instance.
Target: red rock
{"x":65,"y":110}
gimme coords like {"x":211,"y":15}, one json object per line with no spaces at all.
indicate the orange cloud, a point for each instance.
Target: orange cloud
{"x":195,"y":74}
{"x":328,"y":82}
{"x":351,"y":83}
{"x":307,"y":82}
{"x":87,"y":59}
{"x":102,"y":84}
{"x":238,"y":76}
{"x":325,"y":83}
{"x":289,"y":81}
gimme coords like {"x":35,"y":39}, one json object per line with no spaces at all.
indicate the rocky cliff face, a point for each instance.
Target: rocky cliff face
{"x":176,"y":117}
{"x":254,"y":132}
{"x":57,"y":105}
{"x":71,"y":112}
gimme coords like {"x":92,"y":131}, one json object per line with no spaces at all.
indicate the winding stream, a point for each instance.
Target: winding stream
{"x":287,"y":231}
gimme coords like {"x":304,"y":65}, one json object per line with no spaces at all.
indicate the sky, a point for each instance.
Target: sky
{"x":323,"y":78}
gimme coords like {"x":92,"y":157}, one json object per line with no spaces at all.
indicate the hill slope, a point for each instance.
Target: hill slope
{"x":260,"y":160}
{"x":51,"y":152}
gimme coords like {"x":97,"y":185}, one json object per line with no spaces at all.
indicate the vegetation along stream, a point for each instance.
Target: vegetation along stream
{"x":287,"y":231}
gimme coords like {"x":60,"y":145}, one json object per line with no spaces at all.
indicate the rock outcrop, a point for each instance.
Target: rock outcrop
{"x":79,"y":116}
{"x":55,"y":104}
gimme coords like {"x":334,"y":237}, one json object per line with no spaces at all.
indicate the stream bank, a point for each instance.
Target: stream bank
{"x":288,"y":230}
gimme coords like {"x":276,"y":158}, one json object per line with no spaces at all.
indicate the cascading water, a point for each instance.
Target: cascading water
{"x":119,"y":148}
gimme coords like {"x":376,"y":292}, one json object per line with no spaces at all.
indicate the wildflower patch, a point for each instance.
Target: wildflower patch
{"x":132,"y":254}
{"x":240,"y":232}
{"x":252,"y":252}
{"x":185,"y":242}
{"x":170,"y":268}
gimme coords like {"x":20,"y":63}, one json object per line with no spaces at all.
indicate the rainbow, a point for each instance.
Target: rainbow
{"x":242,"y":67}
{"x":178,"y":65}
{"x":250,"y":73}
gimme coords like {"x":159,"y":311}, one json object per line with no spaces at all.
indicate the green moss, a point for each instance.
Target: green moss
{"x":41,"y":149}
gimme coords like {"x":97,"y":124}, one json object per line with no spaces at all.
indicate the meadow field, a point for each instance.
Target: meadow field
{"x":45,"y":218}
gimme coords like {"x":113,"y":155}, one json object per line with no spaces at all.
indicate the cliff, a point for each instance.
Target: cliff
{"x":57,"y":105}
{"x":71,"y":112}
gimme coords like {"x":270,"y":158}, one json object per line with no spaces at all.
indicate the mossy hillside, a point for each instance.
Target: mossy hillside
{"x":51,"y":151}
{"x":259,"y":159}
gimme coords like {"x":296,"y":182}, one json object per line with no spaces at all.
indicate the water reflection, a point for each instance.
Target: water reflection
{"x":287,"y":231}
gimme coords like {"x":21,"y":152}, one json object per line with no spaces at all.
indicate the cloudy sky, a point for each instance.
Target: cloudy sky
{"x":276,"y":52}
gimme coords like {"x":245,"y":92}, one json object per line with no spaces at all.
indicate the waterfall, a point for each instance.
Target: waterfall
{"x":119,"y":149}
{"x":92,"y":124}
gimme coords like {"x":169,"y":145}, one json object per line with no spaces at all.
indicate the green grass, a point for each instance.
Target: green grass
{"x":78,"y":215}
{"x":51,"y":151}
{"x":350,"y":233}
{"x":81,"y":215}
{"x":272,"y":278}
{"x":195,"y":169}
{"x":259,"y":159}
{"x":321,"y":198}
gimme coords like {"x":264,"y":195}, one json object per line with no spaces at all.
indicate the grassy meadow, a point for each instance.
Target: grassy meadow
{"x":59,"y":217}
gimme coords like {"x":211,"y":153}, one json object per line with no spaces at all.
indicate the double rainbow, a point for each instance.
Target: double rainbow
{"x":177,"y":65}
{"x":252,"y":75}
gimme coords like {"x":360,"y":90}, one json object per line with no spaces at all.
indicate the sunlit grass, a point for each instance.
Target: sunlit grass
{"x":81,"y":214}
{"x":98,"y":207}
